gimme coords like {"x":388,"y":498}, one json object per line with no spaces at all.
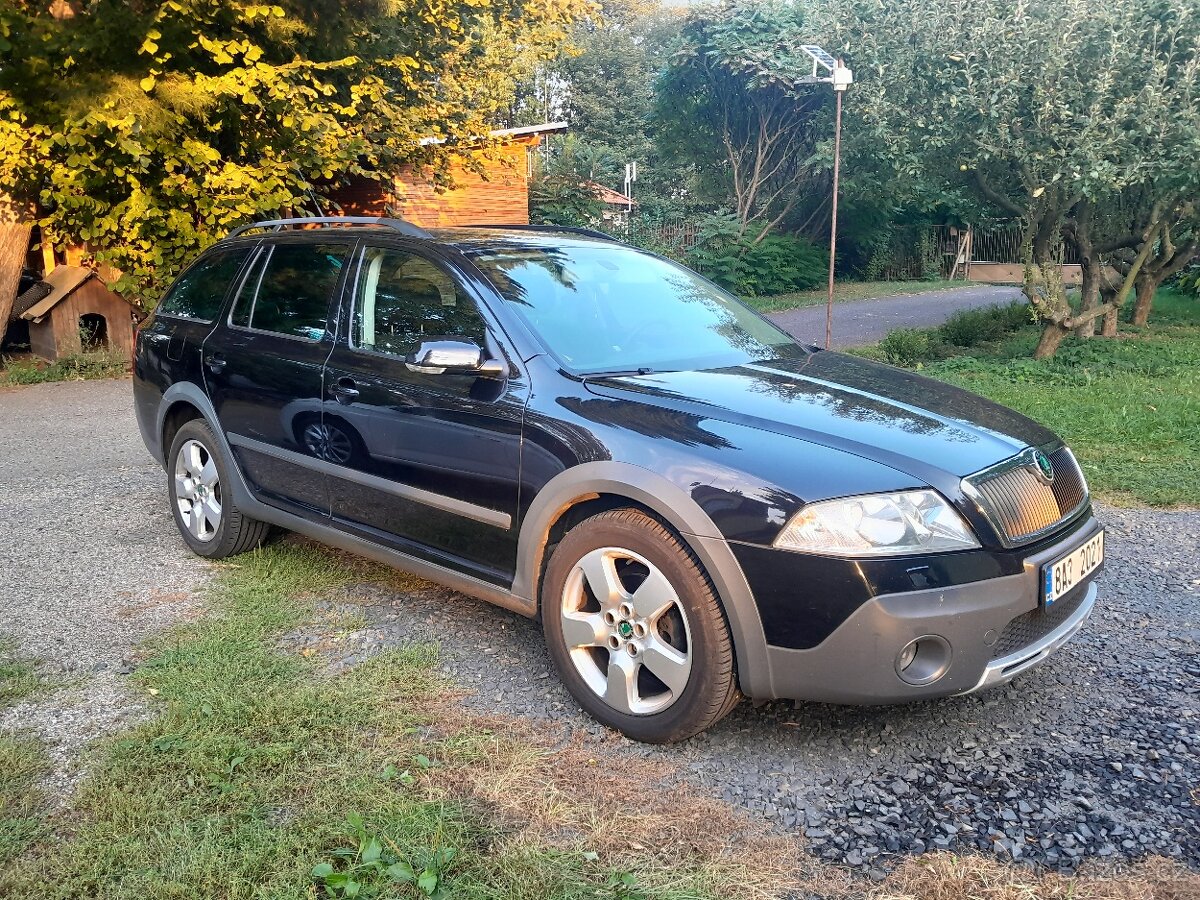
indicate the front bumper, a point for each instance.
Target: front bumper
{"x":856,"y":664}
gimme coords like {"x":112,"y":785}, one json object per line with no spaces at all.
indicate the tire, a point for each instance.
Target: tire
{"x":653,"y":658}
{"x":196,"y":480}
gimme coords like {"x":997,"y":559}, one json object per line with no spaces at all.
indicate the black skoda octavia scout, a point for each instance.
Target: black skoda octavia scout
{"x":695,"y":506}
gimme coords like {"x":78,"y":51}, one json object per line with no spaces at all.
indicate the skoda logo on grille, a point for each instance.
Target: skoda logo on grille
{"x":1045,"y":468}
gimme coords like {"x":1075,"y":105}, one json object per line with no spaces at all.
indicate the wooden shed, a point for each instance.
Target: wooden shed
{"x":499,"y":195}
{"x":76,"y":312}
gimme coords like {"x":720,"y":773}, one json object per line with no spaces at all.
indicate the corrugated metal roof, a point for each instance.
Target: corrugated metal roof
{"x":63,"y":280}
{"x":36,"y":292}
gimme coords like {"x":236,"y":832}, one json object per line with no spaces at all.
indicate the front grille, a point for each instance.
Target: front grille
{"x":1037,"y":623}
{"x":1020,"y":504}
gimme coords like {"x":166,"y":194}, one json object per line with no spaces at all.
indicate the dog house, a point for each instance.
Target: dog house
{"x":72,"y":311}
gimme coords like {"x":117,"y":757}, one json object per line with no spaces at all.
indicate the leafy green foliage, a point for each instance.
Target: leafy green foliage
{"x":970,"y":327}
{"x":1189,"y":282}
{"x":372,"y":862}
{"x":773,"y":264}
{"x":734,"y":103}
{"x":909,"y":347}
{"x":149,"y":130}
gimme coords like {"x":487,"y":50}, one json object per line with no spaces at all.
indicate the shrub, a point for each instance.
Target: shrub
{"x":909,"y":347}
{"x":969,"y":327}
{"x":777,"y":264}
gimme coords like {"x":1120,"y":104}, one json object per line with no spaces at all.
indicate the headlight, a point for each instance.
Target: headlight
{"x":878,"y":525}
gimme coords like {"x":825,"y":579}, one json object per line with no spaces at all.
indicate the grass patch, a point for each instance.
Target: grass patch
{"x":18,"y":680}
{"x":1129,"y":407}
{"x":23,"y":761}
{"x":81,"y":367}
{"x":847,"y":290}
{"x":263,"y":776}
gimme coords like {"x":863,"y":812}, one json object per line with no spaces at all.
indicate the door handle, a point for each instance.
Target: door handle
{"x":215,"y":363}
{"x":344,"y":390}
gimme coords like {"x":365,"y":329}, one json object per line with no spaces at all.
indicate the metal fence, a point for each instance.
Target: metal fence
{"x":1000,"y":242}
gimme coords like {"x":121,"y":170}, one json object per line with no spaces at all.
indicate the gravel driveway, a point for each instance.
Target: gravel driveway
{"x":1094,"y":754}
{"x":859,"y":322}
{"x":91,"y":564}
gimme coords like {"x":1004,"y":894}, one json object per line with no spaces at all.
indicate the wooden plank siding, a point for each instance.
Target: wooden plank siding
{"x":500,"y":196}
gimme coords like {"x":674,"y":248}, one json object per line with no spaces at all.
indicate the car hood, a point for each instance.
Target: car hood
{"x":906,"y":421}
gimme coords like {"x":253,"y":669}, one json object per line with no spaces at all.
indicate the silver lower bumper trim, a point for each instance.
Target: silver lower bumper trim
{"x":1004,"y":669}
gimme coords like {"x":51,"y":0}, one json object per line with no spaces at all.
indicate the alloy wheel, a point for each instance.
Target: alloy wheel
{"x":626,"y":631}
{"x":198,"y":490}
{"x":328,"y":443}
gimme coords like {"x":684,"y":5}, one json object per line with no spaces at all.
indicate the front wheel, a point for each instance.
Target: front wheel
{"x":635,"y":629}
{"x":207,"y":518}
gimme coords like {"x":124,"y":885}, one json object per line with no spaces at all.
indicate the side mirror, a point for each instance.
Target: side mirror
{"x":456,"y":356}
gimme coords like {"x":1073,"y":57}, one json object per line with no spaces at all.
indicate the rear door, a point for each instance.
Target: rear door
{"x":170,"y":341}
{"x":428,"y":463}
{"x":263,"y":366}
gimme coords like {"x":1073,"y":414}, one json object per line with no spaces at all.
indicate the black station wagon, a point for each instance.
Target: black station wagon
{"x":696,"y":506}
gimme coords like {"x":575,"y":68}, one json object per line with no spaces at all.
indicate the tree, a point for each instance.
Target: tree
{"x":148,"y":129}
{"x":735,"y":103}
{"x":602,"y":84}
{"x":1052,"y":111}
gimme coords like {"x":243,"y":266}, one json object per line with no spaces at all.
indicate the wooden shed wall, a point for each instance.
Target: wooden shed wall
{"x":57,"y":334}
{"x":499,"y":197}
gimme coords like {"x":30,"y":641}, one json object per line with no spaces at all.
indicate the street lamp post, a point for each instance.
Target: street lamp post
{"x":840,"y":77}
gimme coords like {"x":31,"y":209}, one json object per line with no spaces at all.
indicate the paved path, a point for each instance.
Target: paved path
{"x":858,"y":322}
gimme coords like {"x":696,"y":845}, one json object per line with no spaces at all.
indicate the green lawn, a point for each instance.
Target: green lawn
{"x":848,"y":290}
{"x":1129,"y":407}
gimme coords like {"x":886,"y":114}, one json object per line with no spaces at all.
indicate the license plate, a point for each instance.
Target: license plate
{"x":1066,"y":572}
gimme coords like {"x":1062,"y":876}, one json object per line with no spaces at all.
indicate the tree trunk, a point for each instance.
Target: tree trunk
{"x":1052,"y":336}
{"x":1110,"y":323}
{"x":1089,"y":266}
{"x":1146,"y":286}
{"x":15,"y":228}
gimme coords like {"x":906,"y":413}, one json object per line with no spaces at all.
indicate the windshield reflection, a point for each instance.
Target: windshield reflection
{"x":604,"y":308}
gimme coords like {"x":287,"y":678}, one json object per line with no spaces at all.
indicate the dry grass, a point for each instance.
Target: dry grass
{"x":579,"y":794}
{"x":945,"y":876}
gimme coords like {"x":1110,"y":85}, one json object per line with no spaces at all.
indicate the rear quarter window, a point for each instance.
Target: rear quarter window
{"x":199,"y":293}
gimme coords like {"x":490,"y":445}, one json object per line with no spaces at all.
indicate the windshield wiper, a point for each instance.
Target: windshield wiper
{"x":618,"y":373}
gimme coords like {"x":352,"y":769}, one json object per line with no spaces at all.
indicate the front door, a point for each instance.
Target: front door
{"x":263,"y":367}
{"x":429,"y":463}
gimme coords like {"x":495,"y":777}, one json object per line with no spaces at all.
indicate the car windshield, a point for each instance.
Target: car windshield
{"x":607,"y":308}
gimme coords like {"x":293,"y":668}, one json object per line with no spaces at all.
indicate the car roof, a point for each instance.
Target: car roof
{"x":467,"y":239}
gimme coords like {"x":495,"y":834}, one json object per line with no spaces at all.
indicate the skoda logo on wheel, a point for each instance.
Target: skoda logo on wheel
{"x":1045,"y":468}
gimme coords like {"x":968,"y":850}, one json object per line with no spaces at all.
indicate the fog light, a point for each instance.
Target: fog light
{"x":924,"y":660}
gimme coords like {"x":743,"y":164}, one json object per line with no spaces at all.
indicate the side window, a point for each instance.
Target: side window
{"x":200,"y":291}
{"x":402,"y":298}
{"x":289,"y":289}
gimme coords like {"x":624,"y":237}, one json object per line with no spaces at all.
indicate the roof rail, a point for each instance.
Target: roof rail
{"x":551,"y":229}
{"x":406,"y":228}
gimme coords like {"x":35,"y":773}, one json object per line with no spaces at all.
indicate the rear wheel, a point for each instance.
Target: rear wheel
{"x":207,"y":518}
{"x":635,"y":629}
